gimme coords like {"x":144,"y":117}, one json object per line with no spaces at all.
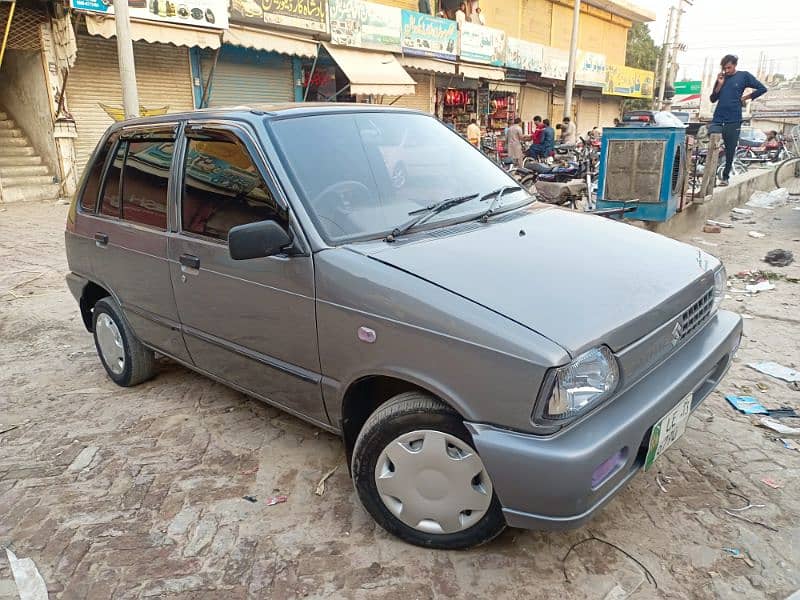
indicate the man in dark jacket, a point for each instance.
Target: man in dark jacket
{"x":730,"y":97}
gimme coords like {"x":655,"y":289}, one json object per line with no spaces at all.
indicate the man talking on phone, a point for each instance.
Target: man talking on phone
{"x":730,"y":98}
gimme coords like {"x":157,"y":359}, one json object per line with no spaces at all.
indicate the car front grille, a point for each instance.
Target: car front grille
{"x":693,"y":317}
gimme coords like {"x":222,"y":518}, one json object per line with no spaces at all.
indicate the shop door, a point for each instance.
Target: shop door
{"x":422,"y":100}
{"x":243,"y":76}
{"x":94,"y":92}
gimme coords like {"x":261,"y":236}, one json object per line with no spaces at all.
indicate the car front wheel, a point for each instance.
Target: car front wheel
{"x":126,"y":360}
{"x":417,"y":474}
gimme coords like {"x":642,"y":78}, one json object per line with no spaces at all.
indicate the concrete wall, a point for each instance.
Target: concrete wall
{"x":24,"y":96}
{"x":719,"y":206}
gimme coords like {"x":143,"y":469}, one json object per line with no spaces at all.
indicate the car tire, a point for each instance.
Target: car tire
{"x":126,"y":360}
{"x":434,"y":460}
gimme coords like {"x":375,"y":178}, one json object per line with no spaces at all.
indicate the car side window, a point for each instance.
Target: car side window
{"x":109,"y":198}
{"x":144,"y":181}
{"x":92,"y":187}
{"x":222,"y":188}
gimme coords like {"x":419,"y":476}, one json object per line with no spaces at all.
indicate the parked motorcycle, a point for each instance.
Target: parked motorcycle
{"x":769,"y":152}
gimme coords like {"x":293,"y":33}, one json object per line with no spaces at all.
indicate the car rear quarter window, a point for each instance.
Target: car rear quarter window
{"x":93,"y":179}
{"x":144,"y":182}
{"x":109,"y":198}
{"x":223,"y":188}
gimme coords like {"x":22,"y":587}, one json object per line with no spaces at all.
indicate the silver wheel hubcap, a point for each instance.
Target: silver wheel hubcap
{"x":433,"y":482}
{"x":110,"y":342}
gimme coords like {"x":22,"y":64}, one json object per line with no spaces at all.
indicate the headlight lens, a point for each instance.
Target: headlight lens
{"x":587,"y":380}
{"x":720,"y":287}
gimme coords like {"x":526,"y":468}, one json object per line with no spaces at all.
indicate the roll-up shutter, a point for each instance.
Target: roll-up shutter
{"x":244,"y":76}
{"x":163,"y":77}
{"x":610,"y":109}
{"x":588,"y":111}
{"x":422,"y":100}
{"x":533,"y":102}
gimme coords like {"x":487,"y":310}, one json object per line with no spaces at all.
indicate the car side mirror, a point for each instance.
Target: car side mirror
{"x":257,"y":240}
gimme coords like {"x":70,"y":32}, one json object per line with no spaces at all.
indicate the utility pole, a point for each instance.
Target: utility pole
{"x":664,"y":59}
{"x":676,"y":46}
{"x":573,"y":55}
{"x":127,"y":69}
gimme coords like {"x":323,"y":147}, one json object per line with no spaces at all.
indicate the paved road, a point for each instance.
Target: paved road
{"x":131,"y":493}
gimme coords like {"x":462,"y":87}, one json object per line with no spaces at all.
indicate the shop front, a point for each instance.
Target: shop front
{"x":252,"y":67}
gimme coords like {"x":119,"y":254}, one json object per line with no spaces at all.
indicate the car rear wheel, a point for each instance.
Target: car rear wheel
{"x":417,"y":474}
{"x":126,"y":360}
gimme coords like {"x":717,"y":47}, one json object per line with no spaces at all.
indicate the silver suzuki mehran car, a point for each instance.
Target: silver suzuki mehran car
{"x":488,"y":360}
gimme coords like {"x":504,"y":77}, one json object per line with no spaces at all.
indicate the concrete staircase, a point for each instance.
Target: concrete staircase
{"x":23,"y":174}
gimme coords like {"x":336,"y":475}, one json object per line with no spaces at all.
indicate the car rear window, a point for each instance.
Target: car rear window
{"x":144,"y":182}
{"x":93,"y":178}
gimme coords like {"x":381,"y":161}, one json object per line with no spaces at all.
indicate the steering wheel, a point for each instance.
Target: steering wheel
{"x":348,"y":195}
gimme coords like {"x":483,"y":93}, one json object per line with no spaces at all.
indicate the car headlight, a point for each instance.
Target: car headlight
{"x":720,"y":287}
{"x":585,"y":382}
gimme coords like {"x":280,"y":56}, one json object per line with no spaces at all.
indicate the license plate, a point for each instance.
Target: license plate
{"x":667,"y":430}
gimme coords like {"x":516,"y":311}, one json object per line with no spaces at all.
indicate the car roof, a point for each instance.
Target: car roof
{"x":257,"y":112}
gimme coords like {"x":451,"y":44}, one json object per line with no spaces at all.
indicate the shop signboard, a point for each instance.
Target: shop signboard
{"x":361,"y":24}
{"x":305,"y":15}
{"x":686,"y":88}
{"x":198,"y":13}
{"x":627,"y":81}
{"x":424,"y":35}
{"x":524,"y":56}
{"x":482,"y":44}
{"x":555,"y":63}
{"x":591,"y":69}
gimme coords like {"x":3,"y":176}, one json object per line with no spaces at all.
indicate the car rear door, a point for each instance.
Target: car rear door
{"x":130,"y":227}
{"x":252,"y":322}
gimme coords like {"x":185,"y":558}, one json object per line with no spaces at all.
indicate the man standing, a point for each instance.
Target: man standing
{"x":424,"y":7}
{"x":730,"y":97}
{"x":514,"y":142}
{"x":474,"y":133}
{"x":569,"y":134}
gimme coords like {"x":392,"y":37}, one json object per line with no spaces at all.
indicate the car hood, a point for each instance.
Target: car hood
{"x":579,"y":280}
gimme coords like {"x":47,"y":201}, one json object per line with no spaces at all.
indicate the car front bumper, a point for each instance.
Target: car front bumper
{"x":545,"y":482}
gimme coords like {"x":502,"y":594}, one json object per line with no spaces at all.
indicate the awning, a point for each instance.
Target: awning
{"x":376,"y":73}
{"x":156,"y":32}
{"x":473,"y":72}
{"x":269,"y":42}
{"x":514,"y":88}
{"x":428,"y":64}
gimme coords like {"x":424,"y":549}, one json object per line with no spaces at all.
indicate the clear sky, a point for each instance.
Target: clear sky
{"x":713,"y":28}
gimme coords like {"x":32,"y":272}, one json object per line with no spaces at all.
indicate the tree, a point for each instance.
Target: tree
{"x":641,"y":53}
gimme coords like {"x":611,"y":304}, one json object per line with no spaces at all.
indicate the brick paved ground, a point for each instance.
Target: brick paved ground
{"x":137,"y":493}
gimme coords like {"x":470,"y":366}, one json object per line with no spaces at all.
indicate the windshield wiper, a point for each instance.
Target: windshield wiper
{"x":425,"y":213}
{"x":498,"y":194}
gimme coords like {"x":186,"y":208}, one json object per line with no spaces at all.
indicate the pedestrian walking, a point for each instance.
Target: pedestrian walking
{"x":569,"y":134}
{"x":514,"y":142}
{"x":474,"y":133}
{"x":729,"y":94}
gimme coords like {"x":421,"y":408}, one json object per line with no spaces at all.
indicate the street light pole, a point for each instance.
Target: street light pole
{"x":127,"y":68}
{"x":664,"y":60}
{"x":573,"y":53}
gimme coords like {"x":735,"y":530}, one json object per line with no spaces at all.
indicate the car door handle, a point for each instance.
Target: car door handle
{"x":101,"y":239}
{"x":189,"y":263}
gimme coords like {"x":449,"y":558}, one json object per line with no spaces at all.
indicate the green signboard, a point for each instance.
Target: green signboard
{"x":688,"y":87}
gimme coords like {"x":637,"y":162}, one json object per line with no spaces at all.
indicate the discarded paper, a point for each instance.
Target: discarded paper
{"x":747,"y":405}
{"x":756,"y":234}
{"x":775,"y":485}
{"x":30,"y":584}
{"x":773,"y":369}
{"x":273,"y":500}
{"x":719,"y":224}
{"x":761,"y":286}
{"x":321,"y":485}
{"x":773,"y":199}
{"x":779,"y":427}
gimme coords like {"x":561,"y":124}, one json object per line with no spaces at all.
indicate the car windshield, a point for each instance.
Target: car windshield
{"x":367,"y":172}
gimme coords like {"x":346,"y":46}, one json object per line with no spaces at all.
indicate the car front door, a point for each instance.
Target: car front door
{"x":130,"y":227}
{"x":251,"y":322}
